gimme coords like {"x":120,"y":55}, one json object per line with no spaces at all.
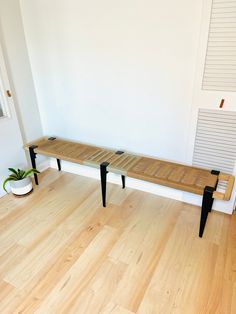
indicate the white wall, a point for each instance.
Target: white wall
{"x":11,"y":152}
{"x":115,"y":73}
{"x":24,"y":124}
{"x":19,"y":69}
{"x":120,"y":74}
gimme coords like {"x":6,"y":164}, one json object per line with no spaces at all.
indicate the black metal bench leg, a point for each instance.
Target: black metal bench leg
{"x":123,"y":181}
{"x":103,"y":173}
{"x":33,"y":161}
{"x":59,"y":164}
{"x":216,"y":173}
{"x":207,"y":203}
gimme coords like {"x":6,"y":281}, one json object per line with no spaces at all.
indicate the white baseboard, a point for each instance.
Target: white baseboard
{"x":116,"y":179}
{"x":44,"y":165}
{"x":225,"y":207}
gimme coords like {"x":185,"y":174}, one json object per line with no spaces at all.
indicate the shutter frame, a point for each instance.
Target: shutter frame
{"x":220,"y":61}
{"x":215,"y":144}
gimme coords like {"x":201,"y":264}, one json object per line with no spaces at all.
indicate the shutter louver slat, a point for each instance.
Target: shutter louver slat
{"x":215,"y":142}
{"x":220,"y":62}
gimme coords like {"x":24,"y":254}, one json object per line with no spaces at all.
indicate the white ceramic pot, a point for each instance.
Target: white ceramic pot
{"x":21,"y":187}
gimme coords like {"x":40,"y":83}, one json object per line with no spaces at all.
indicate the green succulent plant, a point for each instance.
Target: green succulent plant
{"x":17,"y":175}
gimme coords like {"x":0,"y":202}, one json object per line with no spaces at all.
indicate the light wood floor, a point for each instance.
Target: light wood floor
{"x":62,"y":252}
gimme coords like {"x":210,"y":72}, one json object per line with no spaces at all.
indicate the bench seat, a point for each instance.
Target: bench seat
{"x":178,"y":176}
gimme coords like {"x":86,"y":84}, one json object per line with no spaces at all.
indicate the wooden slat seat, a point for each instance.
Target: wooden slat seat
{"x":65,"y":150}
{"x":173,"y":175}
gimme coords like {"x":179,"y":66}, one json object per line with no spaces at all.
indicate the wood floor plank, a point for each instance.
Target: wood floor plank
{"x":233,"y":300}
{"x":61,"y":208}
{"x":63,"y":296}
{"x":11,"y":258}
{"x":177,"y":279}
{"x":118,"y":196}
{"x":113,"y":308}
{"x":28,"y":221}
{"x":64,"y":260}
{"x":100,"y":289}
{"x":7,"y":294}
{"x":5,"y":289}
{"x":12,"y":207}
{"x":44,"y":252}
{"x":62,"y":252}
{"x":144,"y":257}
{"x":134,"y":233}
{"x":230,"y":270}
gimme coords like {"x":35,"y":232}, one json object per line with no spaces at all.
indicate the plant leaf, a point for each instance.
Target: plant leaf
{"x":30,"y":172}
{"x":35,"y":171}
{"x":19,"y":174}
{"x":5,"y":182}
{"x":13,"y":170}
{"x":13,"y":176}
{"x":22,"y":172}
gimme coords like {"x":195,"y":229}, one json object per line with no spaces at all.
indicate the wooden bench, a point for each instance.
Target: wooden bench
{"x":173,"y":175}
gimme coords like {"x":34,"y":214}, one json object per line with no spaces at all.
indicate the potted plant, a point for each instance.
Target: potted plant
{"x":20,"y":181}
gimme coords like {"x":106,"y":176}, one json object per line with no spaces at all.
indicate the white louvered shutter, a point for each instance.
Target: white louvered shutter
{"x":215,"y":143}
{"x":220,"y":62}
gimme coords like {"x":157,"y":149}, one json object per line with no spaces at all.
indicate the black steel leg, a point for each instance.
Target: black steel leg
{"x":207,"y":203}
{"x":123,"y":181}
{"x":33,"y":161}
{"x":103,"y":172}
{"x":216,"y":173}
{"x":59,"y":164}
